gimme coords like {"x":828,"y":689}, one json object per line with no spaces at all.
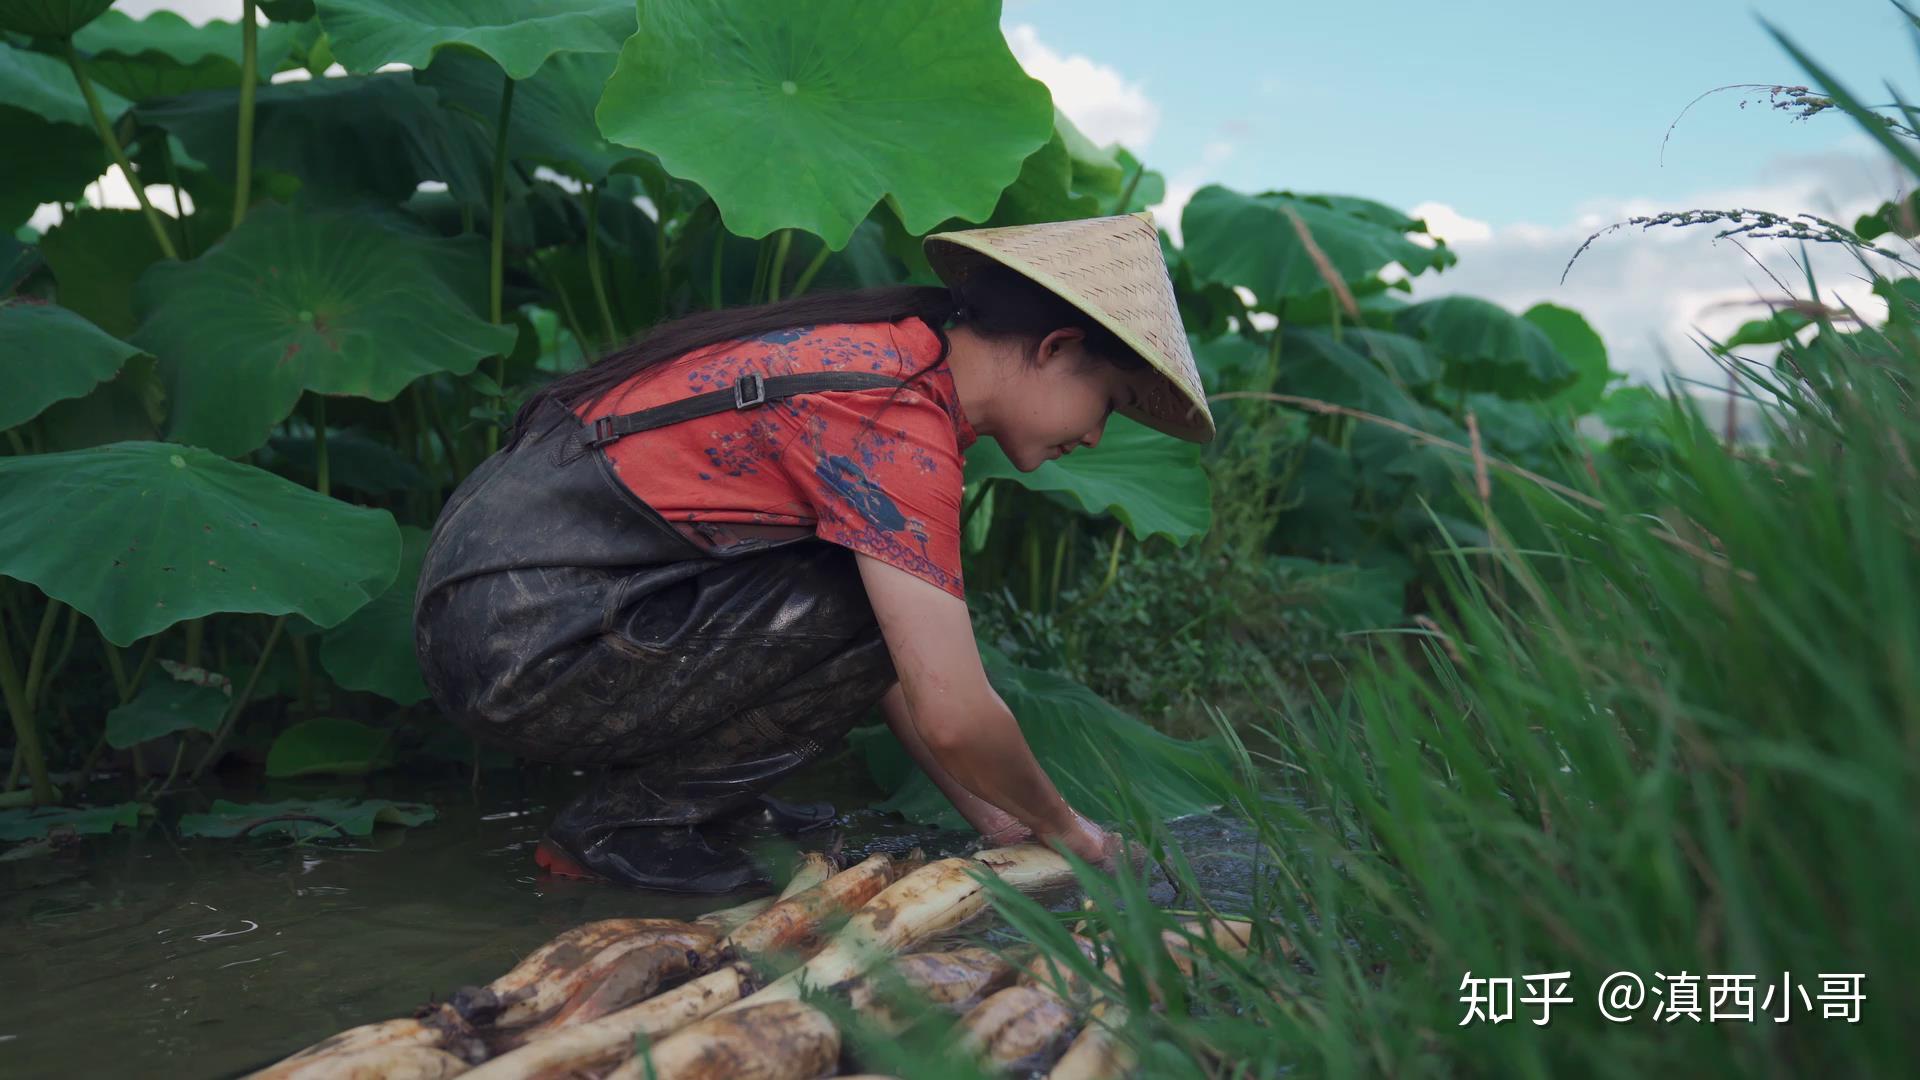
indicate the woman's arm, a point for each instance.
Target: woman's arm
{"x":996,"y":825}
{"x":958,"y":719}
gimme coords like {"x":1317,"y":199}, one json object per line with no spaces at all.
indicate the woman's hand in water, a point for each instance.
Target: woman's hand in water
{"x":1089,"y":841}
{"x":1001,"y":829}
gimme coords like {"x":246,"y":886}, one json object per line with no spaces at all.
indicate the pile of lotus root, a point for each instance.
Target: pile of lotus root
{"x":695,"y":997}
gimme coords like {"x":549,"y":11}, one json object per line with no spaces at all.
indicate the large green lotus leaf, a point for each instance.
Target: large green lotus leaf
{"x":355,"y":462}
{"x":347,"y":140}
{"x":27,"y":823}
{"x":164,"y":707}
{"x":1149,"y":190}
{"x":64,"y":160}
{"x":373,"y":649}
{"x":1487,"y":348}
{"x":1354,"y":371}
{"x":51,"y":354}
{"x":130,"y":407}
{"x":329,"y":745}
{"x":1152,"y":484}
{"x":1044,"y":190}
{"x":336,"y":303}
{"x":49,"y":18}
{"x":164,"y":54}
{"x":1249,"y":240}
{"x":1580,"y":345}
{"x":303,"y":818}
{"x":552,"y":119}
{"x":1096,"y":170}
{"x":518,"y":35}
{"x":96,"y":256}
{"x":43,"y":85}
{"x":806,"y":115}
{"x":141,"y":535}
{"x":1078,"y":738}
{"x":1230,"y":362}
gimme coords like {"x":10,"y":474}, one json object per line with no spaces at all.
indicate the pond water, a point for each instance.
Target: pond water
{"x":148,"y":954}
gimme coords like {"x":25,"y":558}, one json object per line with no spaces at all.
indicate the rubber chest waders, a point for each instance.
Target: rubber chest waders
{"x":561,"y":617}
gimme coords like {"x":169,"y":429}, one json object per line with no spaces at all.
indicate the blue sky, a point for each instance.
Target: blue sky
{"x":1507,"y":110}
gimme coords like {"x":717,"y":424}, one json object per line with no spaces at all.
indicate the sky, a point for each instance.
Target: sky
{"x":1516,"y":128}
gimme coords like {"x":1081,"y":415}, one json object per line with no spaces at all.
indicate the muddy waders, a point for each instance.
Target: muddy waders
{"x":691,"y":665}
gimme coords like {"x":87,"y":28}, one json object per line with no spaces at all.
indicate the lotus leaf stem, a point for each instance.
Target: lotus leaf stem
{"x":322,"y":480}
{"x":239,"y":701}
{"x":1126,"y":196}
{"x":813,"y":267}
{"x":104,"y":128}
{"x":593,"y":265}
{"x":780,"y":247}
{"x":243,"y":138}
{"x":496,"y":251}
{"x":26,"y":734}
{"x":37,"y":660}
{"x":719,"y":252}
{"x":1113,"y":574}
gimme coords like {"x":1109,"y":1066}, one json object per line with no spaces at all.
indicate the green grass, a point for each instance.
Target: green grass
{"x":1685,"y":737}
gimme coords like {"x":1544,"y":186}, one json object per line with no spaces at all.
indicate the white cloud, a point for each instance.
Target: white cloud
{"x":1096,"y":97}
{"x":1451,"y":225}
{"x":1654,"y":295}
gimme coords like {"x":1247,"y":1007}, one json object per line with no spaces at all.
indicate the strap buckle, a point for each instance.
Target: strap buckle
{"x":603,"y":433}
{"x":741,"y":391}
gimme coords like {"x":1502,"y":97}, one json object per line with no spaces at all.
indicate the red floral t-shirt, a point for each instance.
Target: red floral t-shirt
{"x":878,"y":471}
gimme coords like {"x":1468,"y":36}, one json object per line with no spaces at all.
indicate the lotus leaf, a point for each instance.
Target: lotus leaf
{"x":139,"y":536}
{"x":805,"y":116}
{"x":1772,"y":330}
{"x":1230,"y":362}
{"x":164,"y":54}
{"x":1096,"y":169}
{"x":355,"y":461}
{"x":1250,"y":240}
{"x":51,"y":354}
{"x":64,"y":161}
{"x":164,"y":707}
{"x":130,"y":407}
{"x":1315,"y":365}
{"x":43,"y":85}
{"x":347,"y":140}
{"x":518,"y":35}
{"x":1152,"y":484}
{"x":552,"y":118}
{"x":336,"y":303}
{"x":303,"y":818}
{"x":373,"y":649}
{"x":1580,"y":346}
{"x":96,"y":256}
{"x":1078,"y":737}
{"x":27,"y":824}
{"x":50,"y":18}
{"x":331,"y":746}
{"x":1149,"y":190}
{"x":1485,"y":347}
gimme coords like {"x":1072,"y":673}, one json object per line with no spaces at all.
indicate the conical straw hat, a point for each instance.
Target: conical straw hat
{"x":1110,"y":268}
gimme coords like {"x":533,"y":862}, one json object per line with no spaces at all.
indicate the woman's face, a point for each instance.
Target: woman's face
{"x":1060,"y":401}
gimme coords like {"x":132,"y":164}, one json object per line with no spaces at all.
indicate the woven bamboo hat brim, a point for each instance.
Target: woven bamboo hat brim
{"x":1110,"y":268}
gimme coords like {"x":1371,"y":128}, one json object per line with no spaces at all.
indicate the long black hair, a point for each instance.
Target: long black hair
{"x":995,"y":301}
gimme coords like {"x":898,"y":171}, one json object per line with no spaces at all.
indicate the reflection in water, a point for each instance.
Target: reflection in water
{"x":154,"y":955}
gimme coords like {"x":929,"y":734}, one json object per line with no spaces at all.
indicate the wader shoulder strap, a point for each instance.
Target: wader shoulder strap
{"x":748,"y":391}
